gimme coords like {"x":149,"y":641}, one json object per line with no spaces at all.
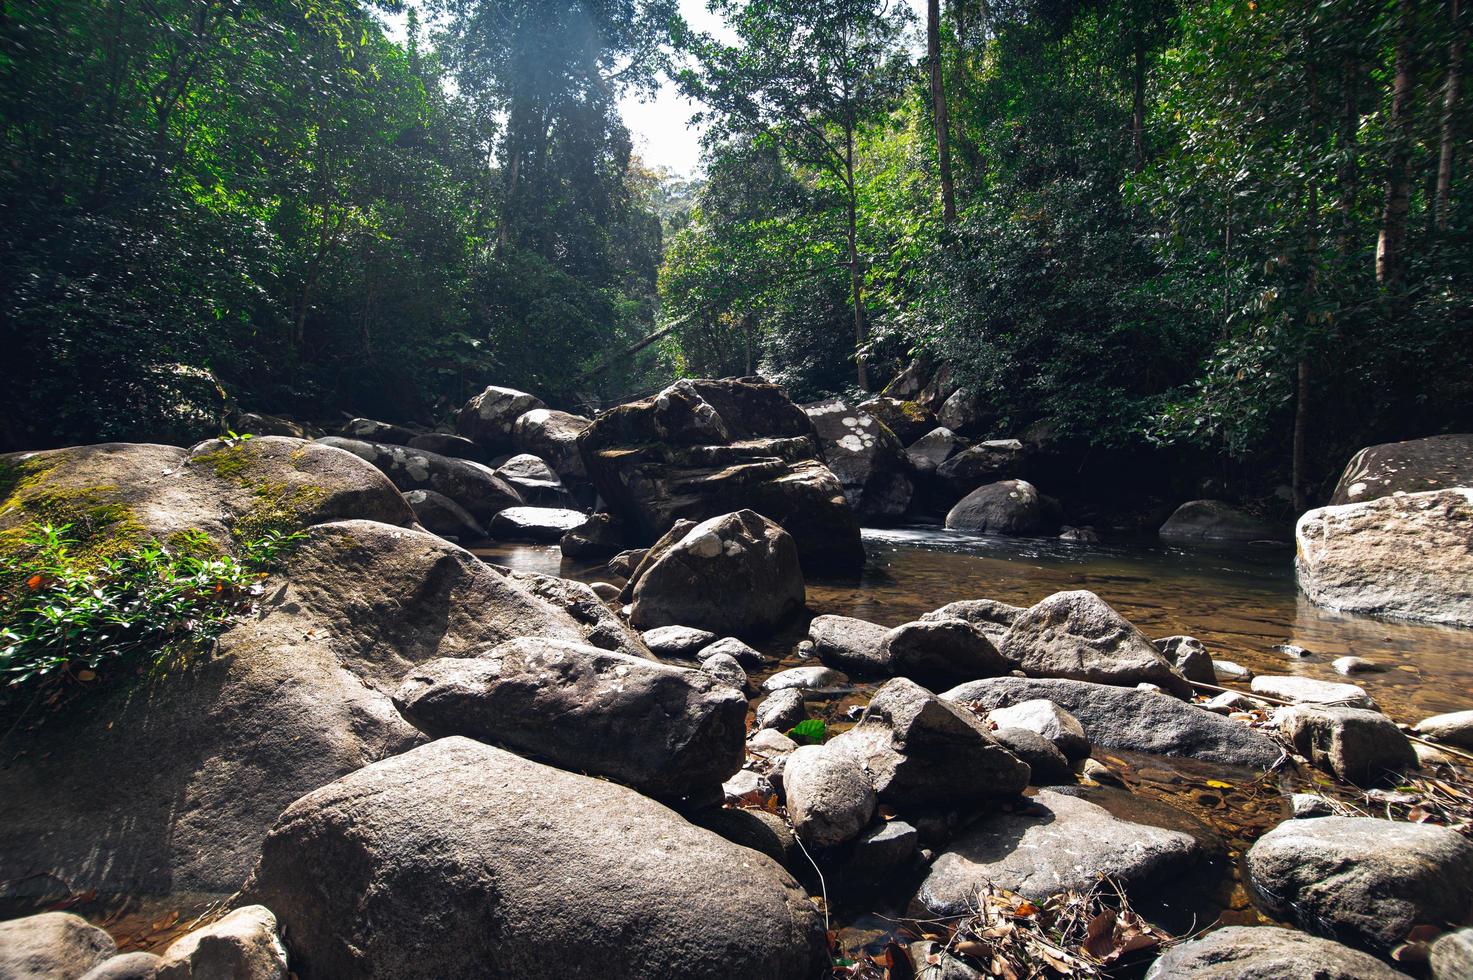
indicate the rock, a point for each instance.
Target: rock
{"x":865,"y":455}
{"x":1307,"y":690}
{"x":1079,"y":535}
{"x":624,"y":563}
{"x":805,"y":679}
{"x":606,"y":591}
{"x":1047,"y":720}
{"x":781,"y":710}
{"x":599,"y":536}
{"x":475,"y":487}
{"x":1356,"y":665}
{"x":600,"y":626}
{"x":765,"y":833}
{"x":535,"y":523}
{"x":991,"y":617}
{"x":1361,"y":747}
{"x":678,"y":641}
{"x":1306,"y":805}
{"x":461,"y":860}
{"x":51,"y":946}
{"x":909,"y":420}
{"x":1214,"y":521}
{"x":880,"y":852}
{"x":1059,"y":842}
{"x":1230,"y":701}
{"x":1076,"y":635}
{"x":1006,"y":507}
{"x":1227,"y":670}
{"x":1189,"y":657}
{"x":730,"y":646}
{"x":724,"y":668}
{"x":664,"y":730}
{"x":654,"y":553}
{"x":853,"y":645}
{"x":488,"y":418}
{"x":1292,"y":651}
{"x":1454,"y":728}
{"x":830,"y":799}
{"x":986,"y":462}
{"x":255,"y":423}
{"x":1404,"y":556}
{"x":1363,"y":880}
{"x":1451,"y":956}
{"x":1429,"y":756}
{"x":129,"y":966}
{"x":1047,"y":766}
{"x":700,"y":449}
{"x":442,"y":444}
{"x":928,"y":452}
{"x":535,"y":481}
{"x":907,"y":385}
{"x":440,"y":514}
{"x":370,"y":430}
{"x":552,"y":435}
{"x":1413,"y":466}
{"x":1124,"y":718}
{"x":770,"y":744}
{"x":242,"y":946}
{"x":942,"y":650}
{"x":734,"y":574}
{"x":198,"y":763}
{"x":961,"y":411}
{"x":919,"y":750}
{"x":746,"y":783}
{"x":1266,"y":953}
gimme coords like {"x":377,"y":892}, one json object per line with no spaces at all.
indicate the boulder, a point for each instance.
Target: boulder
{"x":196,"y":764}
{"x":880,"y":852}
{"x":1454,"y":728}
{"x":241,"y":946}
{"x":723,"y":667}
{"x":1308,"y":690}
{"x":664,"y":730}
{"x":1125,"y":718}
{"x":736,"y":574}
{"x":1047,"y":766}
{"x":780,"y":710}
{"x":1451,"y":956}
{"x":440,"y":514}
{"x":1413,"y":466}
{"x":991,"y":617}
{"x":129,"y":966}
{"x":535,"y":523}
{"x":829,"y":797}
{"x":928,"y":452}
{"x":1060,"y":841}
{"x":1266,"y":953}
{"x":1047,"y":720}
{"x":1214,"y":521}
{"x":678,"y":641}
{"x":488,"y":418}
{"x":986,"y":462}
{"x":1361,"y":747}
{"x":730,"y":646}
{"x":475,"y":487}
{"x":534,"y":480}
{"x":805,"y":679}
{"x":1362,"y":880}
{"x":52,"y":946}
{"x":852,"y":645}
{"x":919,"y":750}
{"x":1189,"y":656}
{"x":599,"y":536}
{"x":962,"y":411}
{"x":909,"y":383}
{"x":1006,"y":507}
{"x":766,"y":833}
{"x":1405,"y":556}
{"x":942,"y":650}
{"x":1076,"y":635}
{"x":442,"y":444}
{"x":371,"y":430}
{"x":462,"y":860}
{"x":865,"y":455}
{"x":258,"y":424}
{"x":909,"y":420}
{"x":699,"y":449}
{"x":552,"y":435}
{"x":599,"y":624}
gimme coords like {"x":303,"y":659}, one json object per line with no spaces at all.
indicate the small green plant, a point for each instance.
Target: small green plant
{"x":809,"y":731}
{"x":232,"y":438}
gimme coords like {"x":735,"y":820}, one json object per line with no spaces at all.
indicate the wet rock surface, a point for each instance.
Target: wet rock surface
{"x":1266,"y":953}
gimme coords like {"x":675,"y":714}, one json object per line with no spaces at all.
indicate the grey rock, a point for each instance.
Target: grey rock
{"x":942,"y":651}
{"x":1124,"y":718}
{"x":535,"y":523}
{"x":1308,"y":690}
{"x":440,"y":514}
{"x":830,"y":799}
{"x":1047,"y":766}
{"x":1076,"y":635}
{"x":258,"y":424}
{"x":1361,"y":880}
{"x":51,"y":946}
{"x":961,"y":411}
{"x":242,"y":946}
{"x":865,"y":455}
{"x":764,"y":832}
{"x":724,"y":668}
{"x":624,"y":563}
{"x":881,"y":851}
{"x":1356,"y":665}
{"x":1361,"y":747}
{"x":552,"y":435}
{"x":129,"y":966}
{"x":909,"y":420}
{"x":1230,"y":701}
{"x":1079,"y":535}
{"x":805,"y":679}
{"x":1451,"y":956}
{"x":606,"y":591}
{"x":1306,"y":805}
{"x":475,"y":487}
{"x":746,"y":783}
{"x":664,"y":730}
{"x":1413,"y":466}
{"x":1049,"y":721}
{"x":986,"y":462}
{"x":1227,"y":670}
{"x":1005,"y":507}
{"x":1189,"y":656}
{"x":932,"y":449}
{"x":1266,"y":953}
{"x":489,"y":417}
{"x":780,"y":710}
{"x":461,"y":860}
{"x":599,"y":536}
{"x":601,"y":627}
{"x":770,"y":744}
{"x":678,"y":641}
{"x":1215,"y":521}
{"x":1454,"y":728}
{"x":443,"y":443}
{"x":371,"y":430}
{"x":852,"y":645}
{"x":735,"y":649}
{"x":993,"y":618}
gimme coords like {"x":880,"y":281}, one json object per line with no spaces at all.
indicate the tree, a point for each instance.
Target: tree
{"x":938,"y":111}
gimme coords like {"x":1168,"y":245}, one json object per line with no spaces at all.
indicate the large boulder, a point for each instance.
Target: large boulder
{"x":1266,"y":953}
{"x":1215,"y":521}
{"x":736,"y":574}
{"x":475,"y":487}
{"x":928,"y":452}
{"x":909,"y":420}
{"x":1126,"y":718}
{"x":1005,"y":507}
{"x":855,"y":646}
{"x":986,"y":462}
{"x":489,"y":418}
{"x":535,"y":523}
{"x":1076,"y":635}
{"x":1358,"y":746}
{"x":919,"y":750}
{"x":703,"y":448}
{"x":993,"y":618}
{"x":1362,"y":880}
{"x":667,"y":731}
{"x":440,"y":514}
{"x":372,"y":430}
{"x":167,"y":784}
{"x":553,"y":436}
{"x":942,"y":651}
{"x":462,"y":860}
{"x":865,"y":455}
{"x":445,"y":444}
{"x":1413,"y":466}
{"x":535,"y":481}
{"x":1406,"y":556}
{"x":52,"y":946}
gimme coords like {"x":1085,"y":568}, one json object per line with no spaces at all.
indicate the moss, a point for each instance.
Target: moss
{"x":233,"y":462}
{"x":278,"y":508}
{"x":101,"y":525}
{"x":193,"y":542}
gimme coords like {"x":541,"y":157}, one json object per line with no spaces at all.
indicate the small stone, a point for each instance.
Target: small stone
{"x":850,"y":644}
{"x":806,"y":678}
{"x":1190,"y":656}
{"x":743,"y":654}
{"x":677,"y":641}
{"x":724,"y":668}
{"x":1046,"y":764}
{"x":747,"y":783}
{"x":1267,"y":953}
{"x":1358,"y":746}
{"x":1227,"y":670}
{"x":1356,"y":665}
{"x":1229,"y":702}
{"x":1454,"y":728}
{"x":883,"y":850}
{"x":243,"y":946}
{"x":769,"y":743}
{"x":1307,"y":690}
{"x":1047,"y":719}
{"x":781,"y":710}
{"x":1292,"y":650}
{"x":1306,"y":805}
{"x":1149,"y":688}
{"x":129,"y":966}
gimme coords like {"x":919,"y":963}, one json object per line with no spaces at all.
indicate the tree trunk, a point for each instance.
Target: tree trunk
{"x":938,"y":111}
{"x":1449,"y":119}
{"x":862,"y":375}
{"x":1391,"y":246}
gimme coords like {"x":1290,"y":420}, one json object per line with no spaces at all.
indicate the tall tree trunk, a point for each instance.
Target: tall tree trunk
{"x":1138,"y":99}
{"x":861,"y":373}
{"x":1391,"y":246}
{"x":1348,"y":177}
{"x":939,"y":113}
{"x":1449,"y":118}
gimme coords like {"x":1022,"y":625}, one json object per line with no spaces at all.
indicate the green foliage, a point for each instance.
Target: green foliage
{"x":809,"y":731}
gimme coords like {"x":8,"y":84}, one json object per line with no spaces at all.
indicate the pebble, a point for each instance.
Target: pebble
{"x":1307,"y":805}
{"x":1227,"y":670}
{"x":1356,"y":665}
{"x":1292,"y":650}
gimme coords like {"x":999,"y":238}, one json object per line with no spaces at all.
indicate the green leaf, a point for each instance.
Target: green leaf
{"x":809,"y":731}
